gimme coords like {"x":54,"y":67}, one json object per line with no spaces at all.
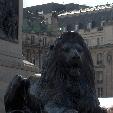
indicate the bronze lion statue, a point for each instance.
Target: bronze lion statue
{"x":66,"y":84}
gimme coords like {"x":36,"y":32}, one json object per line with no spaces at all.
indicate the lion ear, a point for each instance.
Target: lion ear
{"x":51,"y":47}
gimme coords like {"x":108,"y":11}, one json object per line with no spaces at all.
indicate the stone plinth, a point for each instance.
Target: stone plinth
{"x":11,"y":62}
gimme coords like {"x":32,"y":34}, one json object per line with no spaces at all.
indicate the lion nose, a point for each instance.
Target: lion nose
{"x":75,"y":55}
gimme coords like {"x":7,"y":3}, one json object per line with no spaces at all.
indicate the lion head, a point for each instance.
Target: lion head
{"x":69,"y":55}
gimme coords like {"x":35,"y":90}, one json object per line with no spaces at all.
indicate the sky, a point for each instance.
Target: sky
{"x":28,"y":3}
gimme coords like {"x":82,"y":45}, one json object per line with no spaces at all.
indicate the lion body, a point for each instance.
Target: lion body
{"x":67,"y":81}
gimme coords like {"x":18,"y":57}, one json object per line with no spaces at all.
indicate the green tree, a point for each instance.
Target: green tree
{"x":26,"y":26}
{"x":43,"y":27}
{"x":36,"y":27}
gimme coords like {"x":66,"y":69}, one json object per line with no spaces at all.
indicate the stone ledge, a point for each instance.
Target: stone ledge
{"x":19,"y":64}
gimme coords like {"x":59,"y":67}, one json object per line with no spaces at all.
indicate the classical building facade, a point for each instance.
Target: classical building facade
{"x":35,"y":46}
{"x":100,"y":43}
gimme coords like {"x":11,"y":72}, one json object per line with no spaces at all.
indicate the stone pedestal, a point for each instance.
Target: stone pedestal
{"x":11,"y":62}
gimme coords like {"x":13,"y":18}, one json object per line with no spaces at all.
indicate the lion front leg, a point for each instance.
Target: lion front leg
{"x":14,"y":98}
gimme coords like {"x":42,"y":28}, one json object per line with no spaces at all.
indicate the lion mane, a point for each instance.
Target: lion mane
{"x":68,"y":75}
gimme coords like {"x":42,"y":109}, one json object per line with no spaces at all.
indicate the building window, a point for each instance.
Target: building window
{"x":102,"y":40}
{"x":100,"y":28}
{"x":99,"y":76}
{"x":40,"y":42}
{"x":98,"y":41}
{"x":99,"y":59}
{"x":109,"y":58}
{"x":32,"y":39}
{"x":44,"y":41}
{"x":100,"y":92}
